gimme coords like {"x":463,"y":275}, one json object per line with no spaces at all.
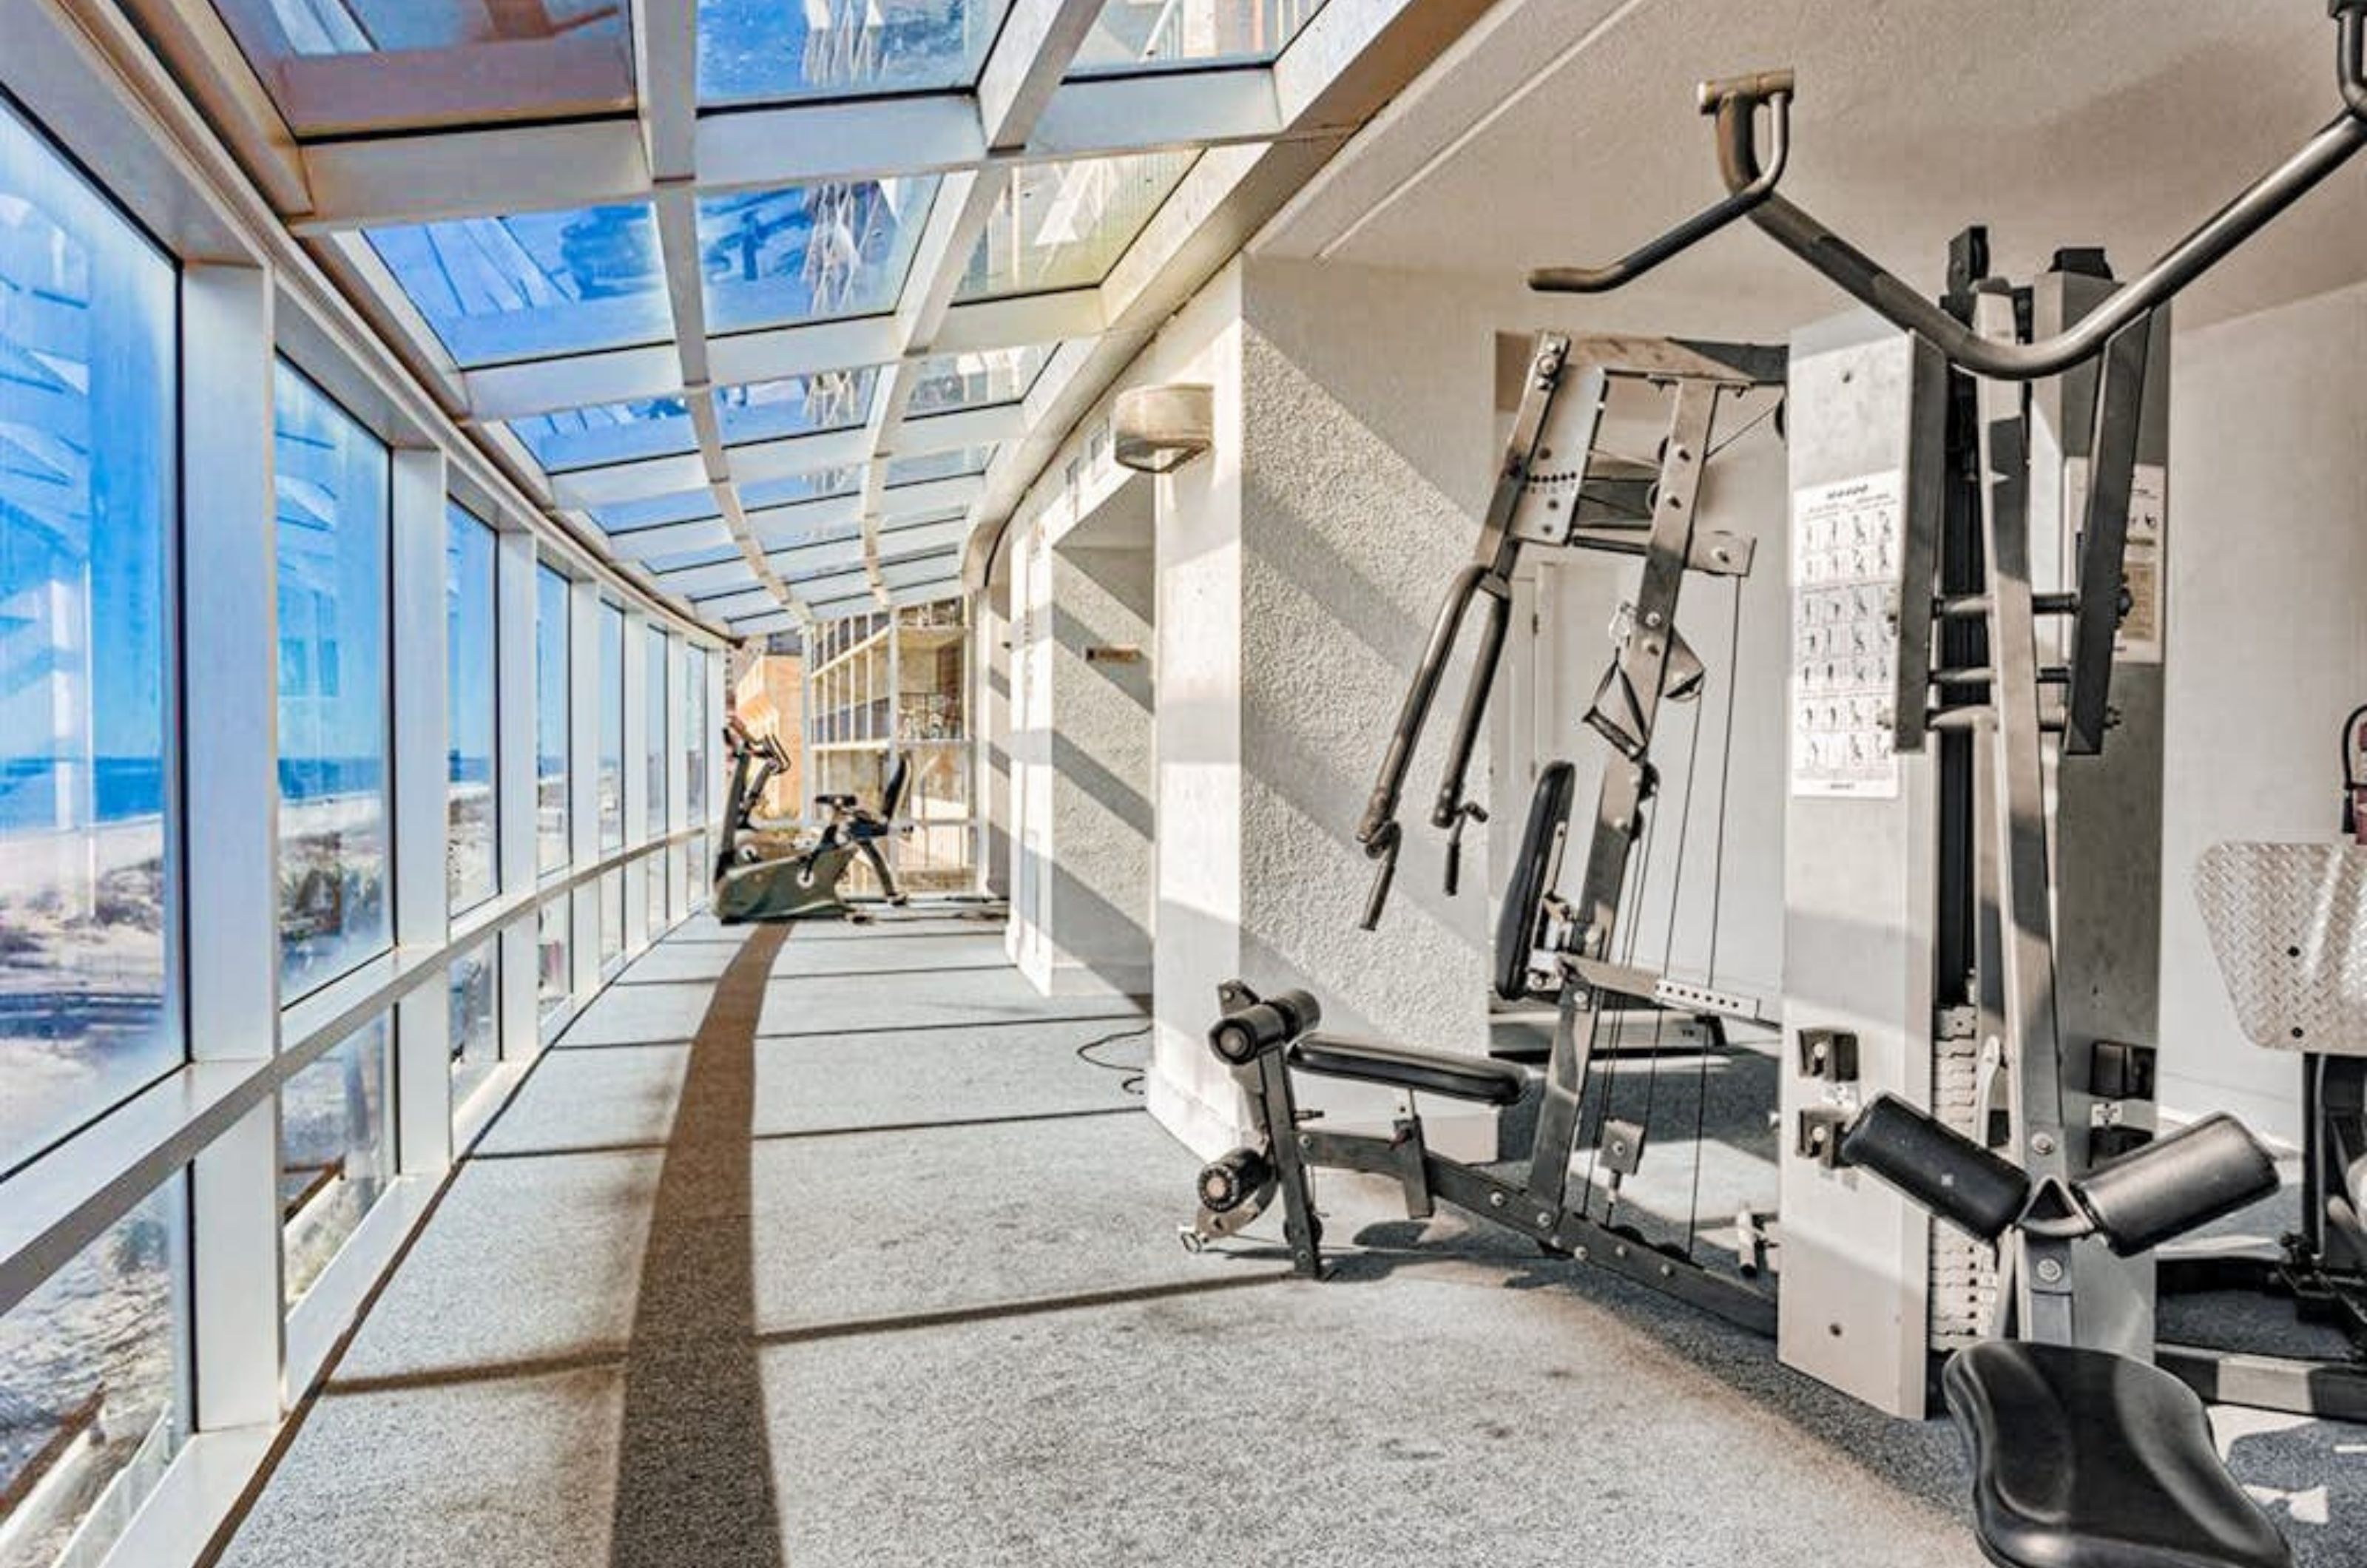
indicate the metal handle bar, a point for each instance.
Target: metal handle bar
{"x":1740,"y":96}
{"x":1378,"y":831}
{"x":1896,"y":302}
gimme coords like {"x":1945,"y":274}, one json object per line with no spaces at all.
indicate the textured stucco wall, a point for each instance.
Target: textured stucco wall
{"x":1099,"y":757}
{"x":990,"y":663}
{"x":2266,"y":645}
{"x":1366,"y":422}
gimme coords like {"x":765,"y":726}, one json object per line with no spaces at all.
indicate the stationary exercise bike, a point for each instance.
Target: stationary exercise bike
{"x":775,"y":872}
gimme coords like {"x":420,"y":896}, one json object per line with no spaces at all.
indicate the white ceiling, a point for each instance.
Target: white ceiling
{"x":1564,"y":131}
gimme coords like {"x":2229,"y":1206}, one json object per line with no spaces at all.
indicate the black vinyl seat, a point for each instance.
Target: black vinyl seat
{"x":2082,"y":1459}
{"x":1406,"y":1067}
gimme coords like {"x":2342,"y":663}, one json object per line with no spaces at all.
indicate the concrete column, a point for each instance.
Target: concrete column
{"x":1088,"y":733}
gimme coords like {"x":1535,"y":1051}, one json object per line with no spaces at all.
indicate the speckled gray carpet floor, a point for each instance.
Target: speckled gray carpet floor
{"x":846,"y":1256}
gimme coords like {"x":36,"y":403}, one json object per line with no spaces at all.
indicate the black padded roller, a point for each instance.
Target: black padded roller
{"x":2178,"y":1183}
{"x":1938,"y":1166}
{"x":1242,"y":1037}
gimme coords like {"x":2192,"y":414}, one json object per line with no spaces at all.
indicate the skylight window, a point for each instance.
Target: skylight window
{"x":775,"y":50}
{"x":690,"y":560}
{"x":958,"y":463}
{"x":1157,"y":35}
{"x":800,"y":405}
{"x":1065,"y":225}
{"x":608,"y":433}
{"x":816,"y":486}
{"x":657,"y":511}
{"x":535,"y":285}
{"x":809,"y":253}
{"x":954,"y":381}
{"x":342,"y":67}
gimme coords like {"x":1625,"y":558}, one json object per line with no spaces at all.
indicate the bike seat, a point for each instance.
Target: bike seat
{"x":2082,"y":1459}
{"x":1408,"y":1066}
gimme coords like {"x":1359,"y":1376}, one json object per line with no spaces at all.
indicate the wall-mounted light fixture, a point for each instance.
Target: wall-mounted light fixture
{"x":1160,"y":429}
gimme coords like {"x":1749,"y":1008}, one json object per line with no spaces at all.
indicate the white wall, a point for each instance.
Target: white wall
{"x":2267,"y":644}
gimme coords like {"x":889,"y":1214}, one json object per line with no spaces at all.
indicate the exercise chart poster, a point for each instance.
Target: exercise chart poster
{"x":1846,"y":541}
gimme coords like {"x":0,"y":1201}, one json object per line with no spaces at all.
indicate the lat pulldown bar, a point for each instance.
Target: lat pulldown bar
{"x":1750,"y":184}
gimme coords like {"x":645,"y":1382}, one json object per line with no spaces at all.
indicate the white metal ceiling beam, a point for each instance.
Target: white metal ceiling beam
{"x":496,"y":171}
{"x":543,"y":385}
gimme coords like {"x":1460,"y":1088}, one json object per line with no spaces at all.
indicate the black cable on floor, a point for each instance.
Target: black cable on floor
{"x":1132,"y":1083}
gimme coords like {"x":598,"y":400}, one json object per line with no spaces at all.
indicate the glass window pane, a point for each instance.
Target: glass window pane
{"x":952,"y":381}
{"x":554,"y":981}
{"x":472,"y":860}
{"x":433,"y":64}
{"x":611,"y":780}
{"x":809,"y":253}
{"x":822,"y":484}
{"x":534,"y":286}
{"x":336,"y":1151}
{"x":612,"y":918}
{"x":608,"y":433}
{"x":958,"y":463}
{"x":91,"y":1378}
{"x":1151,"y":35}
{"x":657,"y":512}
{"x":551,"y":655}
{"x":697,"y":867}
{"x":655,"y":709}
{"x":760,"y":50}
{"x":476,"y":991}
{"x":766,"y":411}
{"x":1065,"y":225}
{"x":87,"y":485}
{"x":692,"y":560}
{"x":693,"y":710}
{"x":333,"y":786}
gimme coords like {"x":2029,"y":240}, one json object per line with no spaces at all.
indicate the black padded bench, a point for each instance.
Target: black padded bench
{"x":1477,"y":1078}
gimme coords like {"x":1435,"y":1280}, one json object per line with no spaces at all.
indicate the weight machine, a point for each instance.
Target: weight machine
{"x":1556,"y":489}
{"x":1966,"y":945}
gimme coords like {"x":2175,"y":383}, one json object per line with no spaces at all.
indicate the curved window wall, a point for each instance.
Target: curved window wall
{"x":332,"y":720}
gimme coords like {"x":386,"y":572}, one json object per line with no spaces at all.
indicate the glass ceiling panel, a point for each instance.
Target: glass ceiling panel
{"x":539,"y":285}
{"x":800,"y":405}
{"x":772,"y":51}
{"x":816,"y":486}
{"x":809,"y":253}
{"x":689,"y":560}
{"x":953,"y":381}
{"x":609,"y":432}
{"x":1064,"y":225}
{"x":442,"y":62}
{"x":657,"y":511}
{"x":1157,"y":35}
{"x":958,"y":463}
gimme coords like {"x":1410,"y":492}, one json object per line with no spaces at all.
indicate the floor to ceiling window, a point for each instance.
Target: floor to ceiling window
{"x":92,"y":1402}
{"x":612,"y":729}
{"x":87,"y":518}
{"x":472,"y":860}
{"x":653,"y":693}
{"x":697,"y":854}
{"x":333,"y":479}
{"x":551,"y":656}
